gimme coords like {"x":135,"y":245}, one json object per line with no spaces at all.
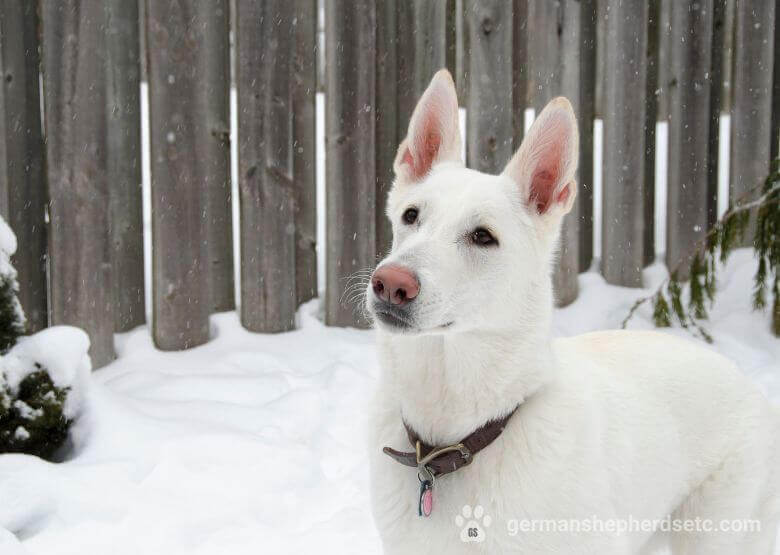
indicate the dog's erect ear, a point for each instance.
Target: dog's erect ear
{"x":434,"y":135}
{"x":544,"y":165}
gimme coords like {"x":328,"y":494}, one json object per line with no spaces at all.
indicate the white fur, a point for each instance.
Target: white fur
{"x":610,"y":425}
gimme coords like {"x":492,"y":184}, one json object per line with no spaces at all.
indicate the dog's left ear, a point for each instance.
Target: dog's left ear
{"x":544,"y":165}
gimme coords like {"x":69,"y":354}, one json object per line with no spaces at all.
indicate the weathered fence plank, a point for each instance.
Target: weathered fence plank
{"x":388,"y":134}
{"x":350,"y":152}
{"x":451,"y":37}
{"x":265,"y":97}
{"x":214,"y":19}
{"x":718,"y":63}
{"x":651,"y":116}
{"x":585,"y":115}
{"x":305,"y":149}
{"x":461,"y":52}
{"x":543,"y":50}
{"x":601,"y":54}
{"x":181,"y":161}
{"x":571,"y":55}
{"x":421,"y":30}
{"x":123,"y":73}
{"x":687,"y":192}
{"x":22,"y":181}
{"x":566,"y":81}
{"x":520,"y":78}
{"x":74,"y":73}
{"x":752,"y":99}
{"x":489,"y":128}
{"x":624,"y":143}
{"x":665,"y":46}
{"x":774,"y":149}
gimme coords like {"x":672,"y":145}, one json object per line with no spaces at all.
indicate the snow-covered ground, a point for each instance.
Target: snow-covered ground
{"x":255,"y":443}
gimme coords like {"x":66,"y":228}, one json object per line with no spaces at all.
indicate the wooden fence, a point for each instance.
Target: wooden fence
{"x":70,"y":184}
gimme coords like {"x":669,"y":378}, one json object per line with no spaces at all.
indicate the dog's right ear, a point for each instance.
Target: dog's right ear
{"x":434,"y":135}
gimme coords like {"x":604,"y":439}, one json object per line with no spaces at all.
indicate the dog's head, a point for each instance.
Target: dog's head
{"x":472,"y":250}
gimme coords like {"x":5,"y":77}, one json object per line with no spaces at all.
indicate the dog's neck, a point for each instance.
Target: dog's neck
{"x":448,"y":385}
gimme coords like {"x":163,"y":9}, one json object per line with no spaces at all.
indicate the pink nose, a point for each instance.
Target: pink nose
{"x":395,"y":284}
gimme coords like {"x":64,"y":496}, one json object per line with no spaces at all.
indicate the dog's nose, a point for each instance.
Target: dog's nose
{"x":395,"y":284}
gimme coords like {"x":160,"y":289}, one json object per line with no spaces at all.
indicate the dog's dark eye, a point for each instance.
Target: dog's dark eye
{"x":482,"y":237}
{"x":410,"y":216}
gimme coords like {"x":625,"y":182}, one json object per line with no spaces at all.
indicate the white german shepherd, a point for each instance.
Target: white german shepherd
{"x":610,"y":430}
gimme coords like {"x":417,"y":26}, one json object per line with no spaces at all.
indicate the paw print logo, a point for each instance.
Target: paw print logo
{"x":472,"y":523}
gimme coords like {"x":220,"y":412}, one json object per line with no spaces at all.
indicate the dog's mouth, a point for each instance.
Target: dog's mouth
{"x":393,"y":318}
{"x":398,"y":321}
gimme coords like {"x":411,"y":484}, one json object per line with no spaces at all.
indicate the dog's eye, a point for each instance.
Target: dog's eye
{"x":410,"y":216}
{"x":482,"y":237}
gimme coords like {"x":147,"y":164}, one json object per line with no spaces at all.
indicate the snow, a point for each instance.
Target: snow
{"x":7,"y":239}
{"x":256,"y":443}
{"x":62,"y":351}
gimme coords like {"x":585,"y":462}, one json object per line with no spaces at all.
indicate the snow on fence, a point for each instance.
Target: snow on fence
{"x":78,"y":215}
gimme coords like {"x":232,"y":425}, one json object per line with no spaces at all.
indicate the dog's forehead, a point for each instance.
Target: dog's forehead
{"x":454,"y":190}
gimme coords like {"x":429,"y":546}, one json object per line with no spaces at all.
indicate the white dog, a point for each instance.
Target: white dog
{"x":598,"y":432}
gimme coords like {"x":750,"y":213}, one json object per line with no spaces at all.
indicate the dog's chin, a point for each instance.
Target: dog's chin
{"x":399,"y":323}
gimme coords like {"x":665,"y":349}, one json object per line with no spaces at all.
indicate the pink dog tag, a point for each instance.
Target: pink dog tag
{"x":426,"y":498}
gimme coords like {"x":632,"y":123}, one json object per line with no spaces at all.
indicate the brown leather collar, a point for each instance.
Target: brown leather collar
{"x":443,"y":460}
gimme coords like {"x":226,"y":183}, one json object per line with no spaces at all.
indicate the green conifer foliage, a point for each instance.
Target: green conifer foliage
{"x":721,"y":239}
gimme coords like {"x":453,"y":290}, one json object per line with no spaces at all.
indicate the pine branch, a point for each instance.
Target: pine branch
{"x":724,"y":236}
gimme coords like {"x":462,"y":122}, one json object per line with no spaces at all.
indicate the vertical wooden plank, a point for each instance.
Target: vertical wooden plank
{"x":124,"y":163}
{"x":572,"y":59}
{"x":585,"y":116}
{"x":421,"y":51}
{"x":601,"y":54}
{"x":567,"y":82}
{"x":624,"y":143}
{"x":265,"y":48}
{"x":651,"y":116}
{"x":543,"y":40}
{"x":430,"y":38}
{"x":728,"y":51}
{"x":214,"y":21}
{"x":751,"y":120}
{"x":687,"y":192}
{"x":451,"y":37}
{"x":489,"y":128}
{"x":718,"y":63}
{"x":74,"y":72}
{"x":22,"y":182}
{"x":388,"y":135}
{"x":461,"y":52}
{"x":775,"y":141}
{"x":519,"y":70}
{"x":666,"y":80}
{"x":180,"y":160}
{"x":351,"y":150}
{"x":305,"y":149}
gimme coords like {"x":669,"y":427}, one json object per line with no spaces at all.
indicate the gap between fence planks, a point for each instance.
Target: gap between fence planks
{"x":23,"y":195}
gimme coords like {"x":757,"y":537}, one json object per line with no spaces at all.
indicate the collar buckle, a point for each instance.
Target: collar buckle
{"x":422,"y":462}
